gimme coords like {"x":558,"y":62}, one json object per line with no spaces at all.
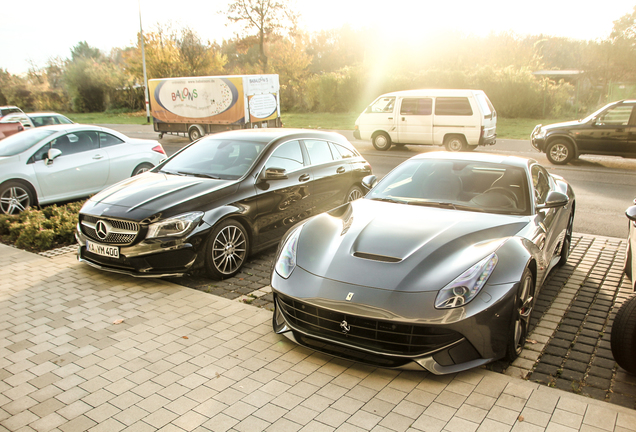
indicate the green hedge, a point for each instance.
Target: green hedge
{"x":39,"y":230}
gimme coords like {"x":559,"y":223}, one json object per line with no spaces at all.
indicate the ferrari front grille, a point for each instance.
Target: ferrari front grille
{"x":387,"y":337}
{"x":118,"y":232}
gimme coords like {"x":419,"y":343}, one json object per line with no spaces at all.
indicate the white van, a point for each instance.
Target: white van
{"x":458,"y":119}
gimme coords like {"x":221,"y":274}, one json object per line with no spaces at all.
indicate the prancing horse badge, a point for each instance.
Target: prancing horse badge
{"x":349,"y":296}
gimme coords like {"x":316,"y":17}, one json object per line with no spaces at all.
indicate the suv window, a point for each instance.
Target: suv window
{"x":616,"y":116}
{"x":417,"y":106}
{"x":455,"y":106}
{"x":318,"y":151}
{"x":288,"y":156}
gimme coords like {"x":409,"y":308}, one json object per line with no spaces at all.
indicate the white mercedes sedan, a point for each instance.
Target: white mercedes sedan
{"x":64,"y":162}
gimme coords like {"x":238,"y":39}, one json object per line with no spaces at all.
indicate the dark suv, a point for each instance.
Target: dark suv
{"x":609,"y":131}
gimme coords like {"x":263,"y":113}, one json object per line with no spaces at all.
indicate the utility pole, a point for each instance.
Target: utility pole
{"x":143,"y":61}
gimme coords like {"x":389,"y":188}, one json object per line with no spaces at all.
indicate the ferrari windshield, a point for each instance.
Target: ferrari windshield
{"x":457,"y":185}
{"x":215,"y":158}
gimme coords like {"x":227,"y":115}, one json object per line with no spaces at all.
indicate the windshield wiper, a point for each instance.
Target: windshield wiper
{"x":391,"y":200}
{"x":433,"y":204}
{"x":199,"y":175}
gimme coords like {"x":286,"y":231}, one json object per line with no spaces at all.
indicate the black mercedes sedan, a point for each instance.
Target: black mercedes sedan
{"x":216,"y":201}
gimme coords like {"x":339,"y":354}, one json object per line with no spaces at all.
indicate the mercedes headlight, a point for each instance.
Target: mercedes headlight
{"x":175,"y":226}
{"x":467,"y":285}
{"x":286,"y":262}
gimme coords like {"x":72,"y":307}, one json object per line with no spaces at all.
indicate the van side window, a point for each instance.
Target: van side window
{"x":416,"y":106}
{"x":382,"y":105}
{"x":453,"y":106}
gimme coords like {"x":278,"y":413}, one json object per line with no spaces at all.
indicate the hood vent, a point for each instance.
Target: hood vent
{"x":374,"y":257}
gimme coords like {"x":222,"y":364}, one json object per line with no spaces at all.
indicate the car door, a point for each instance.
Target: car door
{"x":121,"y":156}
{"x":331,"y":175}
{"x":81,"y":169}
{"x":611,"y":133}
{"x":415,"y":122}
{"x":281,"y":202}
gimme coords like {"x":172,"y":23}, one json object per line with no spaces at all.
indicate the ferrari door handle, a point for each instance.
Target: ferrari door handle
{"x":98,"y":156}
{"x":304,"y":178}
{"x":340,"y":170}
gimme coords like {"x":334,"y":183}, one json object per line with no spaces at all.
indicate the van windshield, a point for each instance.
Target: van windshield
{"x":382,"y":105}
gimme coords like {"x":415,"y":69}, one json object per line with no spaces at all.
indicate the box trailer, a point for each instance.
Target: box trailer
{"x":197,"y":106}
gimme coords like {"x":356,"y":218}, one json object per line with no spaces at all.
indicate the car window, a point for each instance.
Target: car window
{"x":22,"y":141}
{"x":225,"y":159}
{"x":459,"y":185}
{"x":455,"y":106}
{"x":107,"y":140}
{"x":486,"y":107}
{"x":345,"y":152}
{"x":71,"y":143}
{"x":616,"y":116}
{"x":416,"y":106}
{"x":319,"y":151}
{"x":540,"y":183}
{"x":288,"y":156}
{"x":382,"y":105}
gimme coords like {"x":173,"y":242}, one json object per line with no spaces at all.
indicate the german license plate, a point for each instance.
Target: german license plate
{"x":103,"y":250}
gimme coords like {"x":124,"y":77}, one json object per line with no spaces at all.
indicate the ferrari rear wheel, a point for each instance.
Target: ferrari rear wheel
{"x":520,"y":320}
{"x":226,"y":250}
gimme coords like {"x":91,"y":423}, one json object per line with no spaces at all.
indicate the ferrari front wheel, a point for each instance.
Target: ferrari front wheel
{"x":520,"y":320}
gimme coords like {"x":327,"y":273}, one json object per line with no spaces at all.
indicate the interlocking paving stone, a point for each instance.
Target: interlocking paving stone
{"x":186,"y":360}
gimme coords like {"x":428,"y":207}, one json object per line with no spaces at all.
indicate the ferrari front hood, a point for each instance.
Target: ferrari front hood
{"x":398,"y":246}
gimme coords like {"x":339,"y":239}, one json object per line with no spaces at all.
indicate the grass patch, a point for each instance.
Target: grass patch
{"x":506,"y":128}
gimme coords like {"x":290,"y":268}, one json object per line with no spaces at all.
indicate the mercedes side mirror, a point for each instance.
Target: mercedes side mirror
{"x":369,"y":181}
{"x":274,"y":173}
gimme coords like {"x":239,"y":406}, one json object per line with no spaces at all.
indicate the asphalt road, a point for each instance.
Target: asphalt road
{"x":604,"y":186}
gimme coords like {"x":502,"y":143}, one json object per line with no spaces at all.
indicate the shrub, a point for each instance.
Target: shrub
{"x":41,"y":229}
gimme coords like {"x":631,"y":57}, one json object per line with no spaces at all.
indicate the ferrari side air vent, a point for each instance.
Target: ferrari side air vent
{"x":374,"y":257}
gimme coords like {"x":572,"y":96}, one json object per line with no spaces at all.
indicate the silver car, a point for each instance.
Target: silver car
{"x":58,"y":163}
{"x":438,"y":267}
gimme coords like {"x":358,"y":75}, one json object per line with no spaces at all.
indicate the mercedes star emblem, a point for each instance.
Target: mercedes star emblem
{"x":101,"y":229}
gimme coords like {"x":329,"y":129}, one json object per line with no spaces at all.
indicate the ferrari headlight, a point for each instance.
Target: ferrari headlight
{"x":466,"y":286}
{"x":286,"y":262}
{"x":175,"y":226}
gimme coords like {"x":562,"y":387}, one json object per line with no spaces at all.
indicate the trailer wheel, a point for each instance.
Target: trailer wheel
{"x":194,"y":133}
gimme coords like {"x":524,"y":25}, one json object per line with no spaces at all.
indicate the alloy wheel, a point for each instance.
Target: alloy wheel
{"x":229,"y":249}
{"x":354,"y":195}
{"x":14,"y":200}
{"x":559,"y":152}
{"x":523,"y":312}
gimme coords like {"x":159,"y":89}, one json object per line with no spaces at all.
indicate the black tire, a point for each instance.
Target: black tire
{"x":559,"y":152}
{"x":142,"y":168}
{"x":565,"y":249}
{"x":628,"y":261}
{"x":623,"y":338}
{"x":194,"y":134}
{"x":520,"y":319}
{"x":381,"y":141}
{"x":455,"y":143}
{"x":227,"y":249}
{"x":15,"y":197}
{"x":354,"y":193}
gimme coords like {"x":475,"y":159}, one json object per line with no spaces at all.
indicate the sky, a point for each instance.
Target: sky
{"x":35,"y":31}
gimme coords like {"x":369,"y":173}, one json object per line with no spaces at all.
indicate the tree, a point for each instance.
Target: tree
{"x":263,"y":16}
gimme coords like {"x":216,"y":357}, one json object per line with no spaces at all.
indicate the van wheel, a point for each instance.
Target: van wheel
{"x":455,"y":143}
{"x":382,"y":141}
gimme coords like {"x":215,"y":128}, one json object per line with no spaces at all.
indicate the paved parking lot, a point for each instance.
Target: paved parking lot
{"x":87,"y":350}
